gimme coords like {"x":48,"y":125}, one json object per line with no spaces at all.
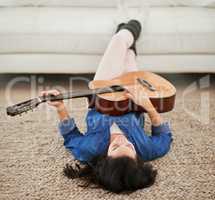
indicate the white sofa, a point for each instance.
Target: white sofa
{"x":70,"y":36}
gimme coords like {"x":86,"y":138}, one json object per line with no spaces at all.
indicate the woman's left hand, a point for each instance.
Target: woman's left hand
{"x":56,"y":104}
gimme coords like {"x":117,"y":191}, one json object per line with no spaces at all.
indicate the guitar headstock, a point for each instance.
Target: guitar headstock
{"x":22,"y":107}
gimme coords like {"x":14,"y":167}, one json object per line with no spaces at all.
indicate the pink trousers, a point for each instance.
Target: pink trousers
{"x":118,"y":58}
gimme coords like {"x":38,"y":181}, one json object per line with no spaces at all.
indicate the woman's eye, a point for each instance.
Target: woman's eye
{"x":114,"y":147}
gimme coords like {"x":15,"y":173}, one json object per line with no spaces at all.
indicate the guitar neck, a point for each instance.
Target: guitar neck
{"x":83,"y":93}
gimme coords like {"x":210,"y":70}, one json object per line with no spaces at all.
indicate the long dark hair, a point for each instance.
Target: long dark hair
{"x":117,"y":175}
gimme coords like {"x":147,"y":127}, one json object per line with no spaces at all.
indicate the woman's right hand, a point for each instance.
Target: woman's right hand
{"x":57,"y":104}
{"x":137,"y":94}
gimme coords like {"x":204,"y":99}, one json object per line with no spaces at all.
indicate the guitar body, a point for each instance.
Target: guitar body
{"x":115,"y":103}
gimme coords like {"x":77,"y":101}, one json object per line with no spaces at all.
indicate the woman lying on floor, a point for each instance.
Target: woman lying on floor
{"x":115,"y":148}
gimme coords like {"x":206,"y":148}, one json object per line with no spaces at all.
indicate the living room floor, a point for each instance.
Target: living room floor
{"x":32,"y":153}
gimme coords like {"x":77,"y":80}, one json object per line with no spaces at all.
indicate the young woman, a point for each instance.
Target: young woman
{"x":115,"y":148}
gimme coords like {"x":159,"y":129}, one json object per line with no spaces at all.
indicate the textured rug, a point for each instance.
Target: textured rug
{"x":32,"y":154}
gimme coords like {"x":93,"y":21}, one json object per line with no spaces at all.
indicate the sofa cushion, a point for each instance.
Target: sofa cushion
{"x":83,"y":30}
{"x":106,"y":3}
{"x":76,"y":63}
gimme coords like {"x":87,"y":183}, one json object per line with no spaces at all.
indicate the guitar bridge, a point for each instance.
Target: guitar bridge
{"x":146,"y":84}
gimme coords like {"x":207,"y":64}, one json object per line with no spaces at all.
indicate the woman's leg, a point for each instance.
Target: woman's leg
{"x":113,"y":62}
{"x":130,"y":61}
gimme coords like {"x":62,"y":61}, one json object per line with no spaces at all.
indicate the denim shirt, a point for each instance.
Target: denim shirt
{"x":96,"y":139}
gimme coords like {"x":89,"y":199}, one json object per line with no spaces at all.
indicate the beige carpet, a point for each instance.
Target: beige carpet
{"x":32,"y":154}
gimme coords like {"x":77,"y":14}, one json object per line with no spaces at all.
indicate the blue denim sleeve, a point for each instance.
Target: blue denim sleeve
{"x":69,"y":131}
{"x":83,"y":146}
{"x":163,"y":128}
{"x":161,"y":140}
{"x":66,"y":126}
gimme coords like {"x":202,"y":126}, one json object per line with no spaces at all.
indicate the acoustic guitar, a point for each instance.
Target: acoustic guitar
{"x":107,"y":96}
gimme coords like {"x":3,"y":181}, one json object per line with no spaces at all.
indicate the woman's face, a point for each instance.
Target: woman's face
{"x":120,"y":146}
